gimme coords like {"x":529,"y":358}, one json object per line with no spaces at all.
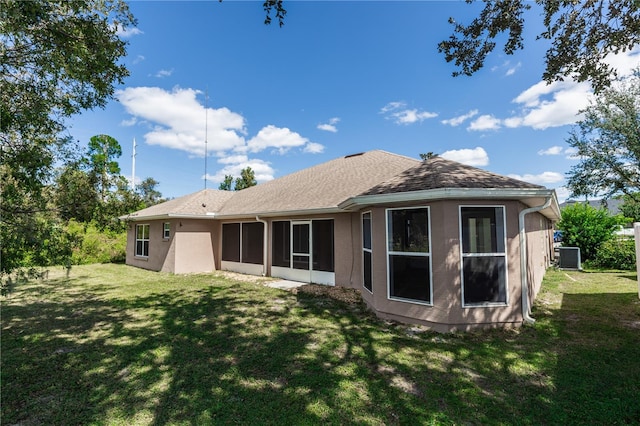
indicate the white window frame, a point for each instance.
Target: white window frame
{"x":503,"y":254}
{"x":142,"y":225}
{"x":166,"y":230}
{"x":367,"y":250}
{"x":420,"y":254}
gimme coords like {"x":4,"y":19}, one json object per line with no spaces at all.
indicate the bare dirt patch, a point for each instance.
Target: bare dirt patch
{"x":343,"y":294}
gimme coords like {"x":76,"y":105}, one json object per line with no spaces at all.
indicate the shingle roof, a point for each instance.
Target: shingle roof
{"x":319,"y":187}
{"x":438,"y":172}
{"x":195,"y":204}
{"x":328,"y":185}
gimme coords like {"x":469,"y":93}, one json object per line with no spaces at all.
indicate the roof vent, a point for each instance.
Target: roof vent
{"x":354,"y":155}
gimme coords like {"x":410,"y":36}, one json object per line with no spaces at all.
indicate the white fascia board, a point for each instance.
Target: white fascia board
{"x":302,"y":212}
{"x":168,"y":216}
{"x":522,"y":194}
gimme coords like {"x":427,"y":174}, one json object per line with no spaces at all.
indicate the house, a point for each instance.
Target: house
{"x":431,"y":242}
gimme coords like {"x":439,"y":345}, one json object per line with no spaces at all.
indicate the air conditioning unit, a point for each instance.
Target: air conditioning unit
{"x":569,"y":258}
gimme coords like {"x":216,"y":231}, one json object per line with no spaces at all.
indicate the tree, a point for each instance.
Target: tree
{"x":428,"y":156}
{"x":247,"y":179}
{"x":103,"y":152}
{"x":586,"y":227}
{"x":582,"y":34}
{"x":148,"y":192}
{"x":56,"y":59}
{"x":631,"y":207}
{"x":227,"y":183}
{"x":75,"y":194}
{"x":607,"y":140}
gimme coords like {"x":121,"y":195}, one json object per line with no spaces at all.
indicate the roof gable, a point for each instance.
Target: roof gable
{"x":198,"y":203}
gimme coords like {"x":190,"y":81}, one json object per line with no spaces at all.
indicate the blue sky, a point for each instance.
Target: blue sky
{"x":338,"y":78}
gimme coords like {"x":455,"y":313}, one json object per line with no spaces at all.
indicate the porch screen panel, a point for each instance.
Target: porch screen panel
{"x":367,"y":253}
{"x":323,"y":245}
{"x":252,"y":242}
{"x":409,"y":254}
{"x":231,"y":242}
{"x":484,"y":263}
{"x":281,"y":244}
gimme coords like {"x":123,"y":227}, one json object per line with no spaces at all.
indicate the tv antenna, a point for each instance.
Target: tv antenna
{"x":206,"y":132}
{"x":133,"y":166}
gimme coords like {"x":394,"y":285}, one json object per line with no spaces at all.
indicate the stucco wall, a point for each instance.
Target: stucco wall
{"x":446,"y":312}
{"x":161,"y":251}
{"x":539,"y":232}
{"x":194,"y":246}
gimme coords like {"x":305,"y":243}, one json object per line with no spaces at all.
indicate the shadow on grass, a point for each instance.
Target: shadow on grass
{"x":240,"y":353}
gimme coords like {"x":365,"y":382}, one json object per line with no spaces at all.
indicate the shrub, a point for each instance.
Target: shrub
{"x":617,"y":253}
{"x":587,"y":227}
{"x":94,"y":245}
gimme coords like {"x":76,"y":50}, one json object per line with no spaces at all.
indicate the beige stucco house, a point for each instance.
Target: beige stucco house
{"x":431,"y":242}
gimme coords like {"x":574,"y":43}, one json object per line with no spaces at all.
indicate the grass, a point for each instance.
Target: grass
{"x":111,"y":344}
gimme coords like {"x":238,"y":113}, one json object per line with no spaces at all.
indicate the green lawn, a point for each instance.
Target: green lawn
{"x":111,"y":344}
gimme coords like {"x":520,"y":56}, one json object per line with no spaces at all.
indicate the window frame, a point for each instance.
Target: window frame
{"x":503,"y":254}
{"x":367,"y":250}
{"x":428,"y":254}
{"x":142,"y":240}
{"x":166,"y":230}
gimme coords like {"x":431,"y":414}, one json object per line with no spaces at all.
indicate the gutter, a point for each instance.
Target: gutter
{"x":264,"y":246}
{"x":524,"y":285}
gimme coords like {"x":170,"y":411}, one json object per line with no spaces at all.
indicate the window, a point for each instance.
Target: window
{"x":166,"y":230}
{"x":484,"y":259}
{"x":303,"y":245}
{"x":142,"y":240}
{"x":231,"y":242}
{"x":252,"y":242}
{"x":367,"y":254}
{"x":409,"y":254}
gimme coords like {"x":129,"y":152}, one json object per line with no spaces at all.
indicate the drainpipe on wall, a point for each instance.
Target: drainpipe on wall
{"x":523,"y":259}
{"x":264,"y":246}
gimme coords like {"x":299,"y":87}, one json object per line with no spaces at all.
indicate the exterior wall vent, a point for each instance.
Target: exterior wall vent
{"x":569,"y":258}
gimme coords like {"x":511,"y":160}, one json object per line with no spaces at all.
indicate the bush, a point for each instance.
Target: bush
{"x":94,"y":245}
{"x":588,"y":228}
{"x":618,"y":253}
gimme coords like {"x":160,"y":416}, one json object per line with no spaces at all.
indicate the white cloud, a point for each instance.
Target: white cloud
{"x":471,"y":157}
{"x":164,"y":73}
{"x":130,"y":122}
{"x":563,"y":193}
{"x":282,"y":139}
{"x":330,"y":126}
{"x":572,"y":154}
{"x":456,"y":121}
{"x":559,"y":103}
{"x":178,"y":120}
{"x":398,"y":112}
{"x":127,"y":32}
{"x":138,"y":59}
{"x":262,"y":169}
{"x":554,"y":150}
{"x":313,"y":148}
{"x":512,"y":70}
{"x":542,"y":178}
{"x":484,"y":122}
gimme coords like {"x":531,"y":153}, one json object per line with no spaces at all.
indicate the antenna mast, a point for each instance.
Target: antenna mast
{"x":133,"y":166}
{"x":206,"y":132}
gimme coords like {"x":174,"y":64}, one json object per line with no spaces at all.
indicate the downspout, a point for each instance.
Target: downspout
{"x":264,"y":246}
{"x":523,"y":259}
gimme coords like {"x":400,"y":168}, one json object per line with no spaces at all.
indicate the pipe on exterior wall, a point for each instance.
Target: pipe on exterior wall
{"x":264,"y":246}
{"x":524,"y":286}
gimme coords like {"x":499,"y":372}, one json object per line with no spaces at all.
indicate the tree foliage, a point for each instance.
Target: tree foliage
{"x":247,"y":179}
{"x":607,"y":141}
{"x":586,"y":227}
{"x":630,"y":207}
{"x":103,"y":166}
{"x":57,"y":58}
{"x":582,"y":34}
